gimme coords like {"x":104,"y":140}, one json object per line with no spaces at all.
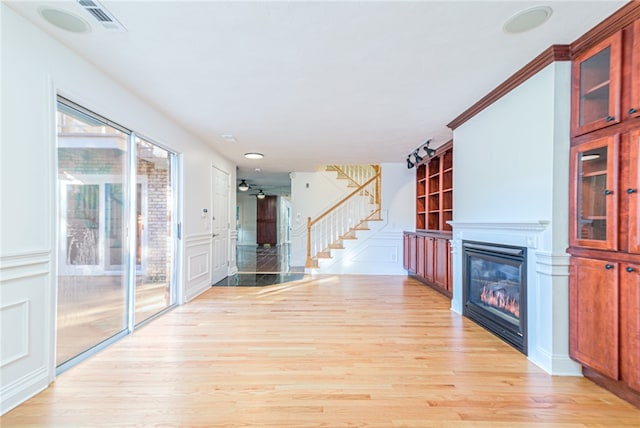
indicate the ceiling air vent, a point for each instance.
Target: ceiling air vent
{"x":102,"y":15}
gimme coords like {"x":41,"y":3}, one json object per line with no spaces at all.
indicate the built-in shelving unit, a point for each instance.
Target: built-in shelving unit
{"x":427,"y":250}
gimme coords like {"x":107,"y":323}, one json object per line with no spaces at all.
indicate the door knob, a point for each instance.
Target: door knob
{"x":608,"y":266}
{"x":630,"y":190}
{"x":630,"y":269}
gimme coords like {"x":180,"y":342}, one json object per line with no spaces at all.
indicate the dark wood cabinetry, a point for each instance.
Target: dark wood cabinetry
{"x":267,"y":232}
{"x":434,"y":208}
{"x":596,"y":86}
{"x":604,"y":241}
{"x":594,"y":314}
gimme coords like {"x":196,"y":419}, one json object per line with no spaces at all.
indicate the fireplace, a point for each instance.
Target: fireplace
{"x":495,"y":290}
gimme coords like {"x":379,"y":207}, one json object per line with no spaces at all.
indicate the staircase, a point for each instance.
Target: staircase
{"x":329,"y":231}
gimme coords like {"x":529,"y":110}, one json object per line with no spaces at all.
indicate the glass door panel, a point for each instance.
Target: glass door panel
{"x":596,"y":86}
{"x":92,"y":284}
{"x":155,"y":253}
{"x":594,"y":194}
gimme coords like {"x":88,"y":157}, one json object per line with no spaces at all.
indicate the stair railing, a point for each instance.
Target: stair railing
{"x":363,"y":204}
{"x":356,"y":174}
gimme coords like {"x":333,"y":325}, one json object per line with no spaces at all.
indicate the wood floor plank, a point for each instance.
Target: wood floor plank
{"x":335,"y":351}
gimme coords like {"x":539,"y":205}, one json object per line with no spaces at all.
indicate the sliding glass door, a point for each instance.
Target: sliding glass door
{"x":110,"y":183}
{"x":92,"y":279}
{"x":155,"y":230}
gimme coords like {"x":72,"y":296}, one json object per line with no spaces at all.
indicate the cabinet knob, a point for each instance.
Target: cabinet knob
{"x":610,"y":118}
{"x":608,"y":266}
{"x":608,"y":192}
{"x":633,"y":110}
{"x":630,"y":190}
{"x":630,"y":269}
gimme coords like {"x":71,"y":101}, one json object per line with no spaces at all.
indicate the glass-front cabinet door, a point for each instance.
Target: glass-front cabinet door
{"x":594,"y":194}
{"x":631,"y":192}
{"x":634,"y":106}
{"x":596,"y":86}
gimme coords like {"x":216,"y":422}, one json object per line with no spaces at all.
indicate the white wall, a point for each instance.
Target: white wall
{"x":34,"y":68}
{"x":511,"y":184}
{"x":378,"y":251}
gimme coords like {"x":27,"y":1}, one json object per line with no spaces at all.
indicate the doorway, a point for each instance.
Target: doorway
{"x":220,"y":225}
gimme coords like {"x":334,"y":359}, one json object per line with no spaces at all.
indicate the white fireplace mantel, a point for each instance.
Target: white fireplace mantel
{"x":547,"y":285}
{"x":536,"y":225}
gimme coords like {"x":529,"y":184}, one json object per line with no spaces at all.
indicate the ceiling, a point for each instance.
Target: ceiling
{"x":315,"y":83}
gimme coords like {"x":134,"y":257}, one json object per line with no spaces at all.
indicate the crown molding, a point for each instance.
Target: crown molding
{"x":550,"y":55}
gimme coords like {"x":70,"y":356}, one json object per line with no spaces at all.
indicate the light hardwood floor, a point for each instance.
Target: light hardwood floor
{"x":335,"y":351}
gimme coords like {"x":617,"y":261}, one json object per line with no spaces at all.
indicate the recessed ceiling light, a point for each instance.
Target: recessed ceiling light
{"x":64,"y":20}
{"x":527,"y":19}
{"x":253,"y":155}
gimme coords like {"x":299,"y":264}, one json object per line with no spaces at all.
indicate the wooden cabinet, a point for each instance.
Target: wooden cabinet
{"x":630,"y":325}
{"x":631,"y":188}
{"x":596,"y":79}
{"x":604,"y":212}
{"x":410,"y":252}
{"x":605,"y":318}
{"x":633,"y":109}
{"x":427,"y":257}
{"x":434,"y":208}
{"x":266,"y":223}
{"x":594,"y":316}
{"x":594,"y":194}
{"x":441,"y":264}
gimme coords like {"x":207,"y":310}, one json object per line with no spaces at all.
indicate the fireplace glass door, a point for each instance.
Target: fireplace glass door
{"x":495,"y":289}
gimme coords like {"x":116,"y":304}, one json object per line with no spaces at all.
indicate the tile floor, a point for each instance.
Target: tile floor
{"x":259,"y":266}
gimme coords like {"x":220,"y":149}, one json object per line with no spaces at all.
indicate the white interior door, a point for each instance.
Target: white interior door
{"x":220,"y":225}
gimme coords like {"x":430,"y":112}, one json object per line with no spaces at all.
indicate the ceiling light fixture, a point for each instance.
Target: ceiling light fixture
{"x":64,"y":20}
{"x":253,"y":155}
{"x":427,"y":150}
{"x":243,"y":186}
{"x":409,"y":163}
{"x":527,"y":19}
{"x":261,"y":195}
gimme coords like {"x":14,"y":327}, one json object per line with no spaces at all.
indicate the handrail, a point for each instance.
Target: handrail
{"x":334,"y":223}
{"x":343,"y":200}
{"x":355,"y":173}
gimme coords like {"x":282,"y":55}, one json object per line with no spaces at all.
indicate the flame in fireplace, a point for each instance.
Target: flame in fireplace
{"x":498,"y":299}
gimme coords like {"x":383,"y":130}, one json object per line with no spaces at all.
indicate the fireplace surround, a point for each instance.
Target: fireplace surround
{"x":495,"y":290}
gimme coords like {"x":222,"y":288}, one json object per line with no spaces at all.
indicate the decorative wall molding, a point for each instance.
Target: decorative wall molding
{"x":197,"y":240}
{"x":552,"y":264}
{"x":551,"y":54}
{"x":24,"y":265}
{"x":198,"y":265}
{"x":20,"y":390}
{"x":16,"y":315}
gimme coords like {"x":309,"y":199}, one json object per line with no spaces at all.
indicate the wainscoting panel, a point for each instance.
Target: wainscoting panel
{"x":14,"y":320}
{"x":197,"y":265}
{"x":26,"y":289}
